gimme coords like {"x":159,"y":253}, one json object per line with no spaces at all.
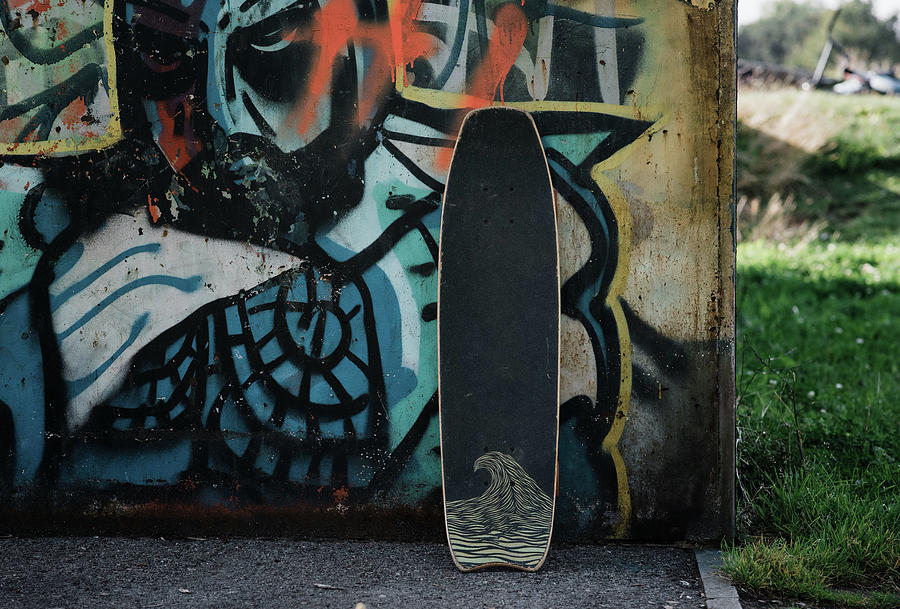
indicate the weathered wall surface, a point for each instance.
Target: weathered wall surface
{"x":218,"y":261}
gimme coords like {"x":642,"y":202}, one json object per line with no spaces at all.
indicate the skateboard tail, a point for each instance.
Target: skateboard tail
{"x":510,"y":523}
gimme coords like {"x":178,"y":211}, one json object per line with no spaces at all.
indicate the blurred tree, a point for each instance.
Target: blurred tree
{"x":793,"y":33}
{"x":780,"y":36}
{"x":866,"y":38}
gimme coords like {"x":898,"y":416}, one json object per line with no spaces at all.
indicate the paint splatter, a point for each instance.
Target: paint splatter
{"x":154,"y":210}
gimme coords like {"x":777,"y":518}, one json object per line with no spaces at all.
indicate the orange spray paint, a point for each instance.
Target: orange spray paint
{"x":70,"y":117}
{"x":338,"y":24}
{"x":154,"y":210}
{"x":510,"y":30}
{"x":179,"y":145}
{"x":40,"y":6}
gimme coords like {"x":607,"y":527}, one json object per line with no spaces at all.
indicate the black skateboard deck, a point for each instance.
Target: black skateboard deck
{"x":498,"y":344}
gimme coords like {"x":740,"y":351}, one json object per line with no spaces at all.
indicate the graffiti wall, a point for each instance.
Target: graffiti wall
{"x":220,"y":225}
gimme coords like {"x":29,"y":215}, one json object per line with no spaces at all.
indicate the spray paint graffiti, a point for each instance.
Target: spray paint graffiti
{"x":221,"y":222}
{"x":57,"y":72}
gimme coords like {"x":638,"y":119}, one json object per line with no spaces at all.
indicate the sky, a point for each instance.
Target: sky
{"x":751,"y":10}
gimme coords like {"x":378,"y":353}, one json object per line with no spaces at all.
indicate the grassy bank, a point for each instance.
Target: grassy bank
{"x":822,"y":162}
{"x":818,"y":290}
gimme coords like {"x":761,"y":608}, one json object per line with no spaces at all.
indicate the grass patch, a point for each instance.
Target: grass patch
{"x":819,"y":422}
{"x":831,"y":164}
{"x":789,"y":569}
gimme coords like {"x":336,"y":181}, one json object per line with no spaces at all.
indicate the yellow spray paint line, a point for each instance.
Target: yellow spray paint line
{"x":114,"y":131}
{"x":620,"y":209}
{"x":610,"y":444}
{"x":446,"y":100}
{"x":114,"y":128}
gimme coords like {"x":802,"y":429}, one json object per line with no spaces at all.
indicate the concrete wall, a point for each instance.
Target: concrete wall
{"x":220,"y":225}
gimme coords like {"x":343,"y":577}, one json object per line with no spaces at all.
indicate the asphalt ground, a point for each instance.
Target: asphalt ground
{"x":117,"y":572}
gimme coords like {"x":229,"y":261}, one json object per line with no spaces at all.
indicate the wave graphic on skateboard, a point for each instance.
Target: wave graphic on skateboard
{"x":510,"y":521}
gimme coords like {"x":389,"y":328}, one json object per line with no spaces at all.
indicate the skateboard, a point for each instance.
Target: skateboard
{"x":498,"y":344}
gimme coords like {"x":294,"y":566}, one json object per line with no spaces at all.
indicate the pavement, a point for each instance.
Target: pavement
{"x":118,"y":572}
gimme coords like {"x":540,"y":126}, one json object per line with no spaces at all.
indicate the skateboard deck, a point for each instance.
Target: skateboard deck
{"x":498,"y":344}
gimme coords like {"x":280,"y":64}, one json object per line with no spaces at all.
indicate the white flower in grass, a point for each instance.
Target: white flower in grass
{"x":859,"y":341}
{"x":838,"y":386}
{"x":872,"y":271}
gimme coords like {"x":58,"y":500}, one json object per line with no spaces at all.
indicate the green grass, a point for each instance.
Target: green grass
{"x":836,"y":158}
{"x":819,"y":422}
{"x":818,"y":352}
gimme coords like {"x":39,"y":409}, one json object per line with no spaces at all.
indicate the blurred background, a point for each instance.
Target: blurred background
{"x":818,"y":296}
